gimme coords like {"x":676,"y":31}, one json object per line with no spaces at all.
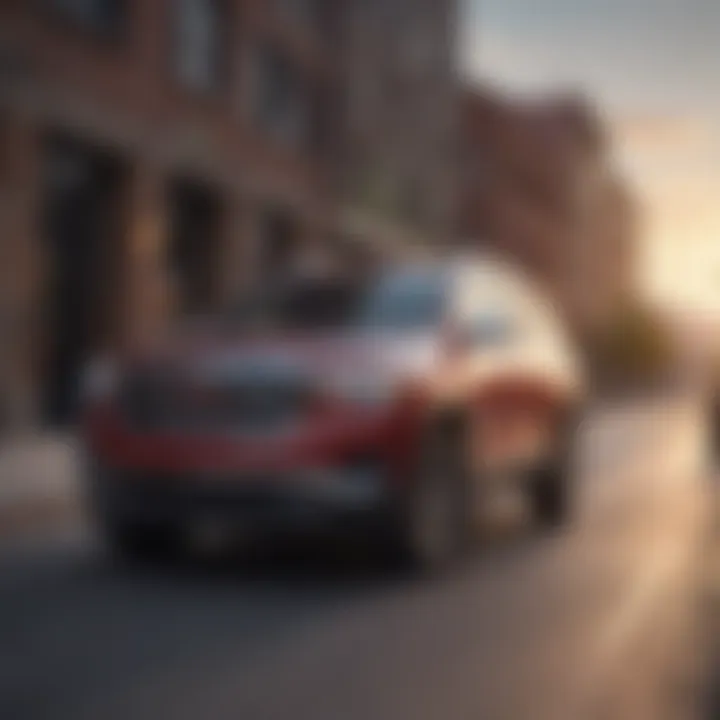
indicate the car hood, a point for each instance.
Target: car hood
{"x":316,"y":355}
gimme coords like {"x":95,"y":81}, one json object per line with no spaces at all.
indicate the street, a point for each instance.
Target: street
{"x":598,"y":621}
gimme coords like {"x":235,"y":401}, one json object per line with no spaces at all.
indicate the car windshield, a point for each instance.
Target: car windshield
{"x":398,"y":301}
{"x":411,"y":300}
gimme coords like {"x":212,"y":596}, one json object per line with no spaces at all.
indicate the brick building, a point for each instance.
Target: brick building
{"x":156,"y":157}
{"x":538,"y":185}
{"x":397,"y":169}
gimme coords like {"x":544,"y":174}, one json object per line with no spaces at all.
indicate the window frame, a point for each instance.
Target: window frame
{"x":273,"y":109}
{"x":219,"y":78}
{"x":112,"y":29}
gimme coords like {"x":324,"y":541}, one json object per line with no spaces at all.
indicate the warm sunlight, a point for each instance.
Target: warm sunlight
{"x":655,"y":94}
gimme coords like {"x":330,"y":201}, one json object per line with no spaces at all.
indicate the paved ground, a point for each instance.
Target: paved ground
{"x":597,"y":622}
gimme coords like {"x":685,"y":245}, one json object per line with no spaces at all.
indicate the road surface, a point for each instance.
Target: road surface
{"x":595,"y":622}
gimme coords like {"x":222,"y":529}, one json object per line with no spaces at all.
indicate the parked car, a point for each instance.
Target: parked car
{"x":393,"y":409}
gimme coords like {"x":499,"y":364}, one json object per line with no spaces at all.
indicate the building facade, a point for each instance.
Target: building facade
{"x":155,"y":156}
{"x":539,"y":187}
{"x":397,"y":158}
{"x":158,"y":157}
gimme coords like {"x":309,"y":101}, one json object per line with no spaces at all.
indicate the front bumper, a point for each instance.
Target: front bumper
{"x":307,"y":499}
{"x":338,"y":468}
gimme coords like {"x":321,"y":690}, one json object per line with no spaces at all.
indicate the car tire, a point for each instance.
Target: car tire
{"x":551,"y":487}
{"x":551,"y":502}
{"x":433,"y":529}
{"x":140,"y":542}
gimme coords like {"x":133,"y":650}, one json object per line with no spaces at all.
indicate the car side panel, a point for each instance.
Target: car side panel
{"x":522,"y":388}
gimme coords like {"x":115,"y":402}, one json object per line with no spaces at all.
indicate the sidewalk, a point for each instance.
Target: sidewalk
{"x":38,"y":480}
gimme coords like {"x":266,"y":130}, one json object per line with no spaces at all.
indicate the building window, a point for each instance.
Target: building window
{"x":105,"y":16}
{"x":283,"y":104}
{"x":279,"y":243}
{"x":306,"y":13}
{"x":200,"y":48}
{"x":194,"y":247}
{"x":415,"y":206}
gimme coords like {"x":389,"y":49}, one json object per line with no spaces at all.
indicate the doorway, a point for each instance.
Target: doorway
{"x":194,"y":246}
{"x":279,"y":244}
{"x":82,"y":219}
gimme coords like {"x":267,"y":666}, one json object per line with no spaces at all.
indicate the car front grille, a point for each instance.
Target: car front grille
{"x":160,"y":402}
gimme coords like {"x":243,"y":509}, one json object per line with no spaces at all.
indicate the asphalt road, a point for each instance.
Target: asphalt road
{"x":599,"y":621}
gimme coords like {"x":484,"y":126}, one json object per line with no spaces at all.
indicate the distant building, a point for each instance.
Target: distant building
{"x":538,"y":186}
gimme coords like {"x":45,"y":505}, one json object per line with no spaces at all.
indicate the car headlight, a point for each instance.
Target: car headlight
{"x":100,"y":380}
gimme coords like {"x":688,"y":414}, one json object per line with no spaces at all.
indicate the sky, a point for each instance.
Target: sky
{"x":653,"y":67}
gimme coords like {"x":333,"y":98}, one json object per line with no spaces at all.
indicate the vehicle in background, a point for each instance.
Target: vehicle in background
{"x":713,"y":416}
{"x":395,"y":409}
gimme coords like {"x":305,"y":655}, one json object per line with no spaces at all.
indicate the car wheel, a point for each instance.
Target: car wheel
{"x":551,"y":502}
{"x":551,"y":487}
{"x":434,"y":526}
{"x":141,"y":542}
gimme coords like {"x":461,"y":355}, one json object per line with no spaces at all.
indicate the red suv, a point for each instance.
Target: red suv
{"x":394,"y":408}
